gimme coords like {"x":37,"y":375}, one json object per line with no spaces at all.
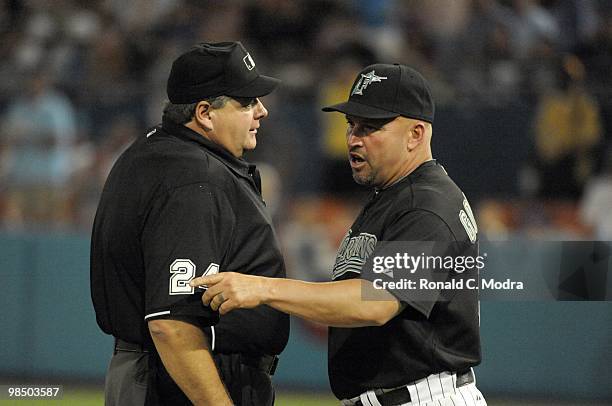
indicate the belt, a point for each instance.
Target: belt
{"x":264,"y":363}
{"x":125,"y":346}
{"x":401,"y":395}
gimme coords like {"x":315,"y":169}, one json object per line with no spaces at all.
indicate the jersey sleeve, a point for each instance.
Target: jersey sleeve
{"x":186,"y":234}
{"x":418,"y":233}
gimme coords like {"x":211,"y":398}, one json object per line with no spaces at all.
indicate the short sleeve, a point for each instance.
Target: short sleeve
{"x":186,"y":234}
{"x":417,"y":233}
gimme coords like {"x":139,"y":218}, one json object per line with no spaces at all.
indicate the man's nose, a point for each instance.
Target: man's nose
{"x":352,"y":137}
{"x":261,"y":111}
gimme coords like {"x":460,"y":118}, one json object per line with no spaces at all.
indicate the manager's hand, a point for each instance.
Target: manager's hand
{"x":228,"y":291}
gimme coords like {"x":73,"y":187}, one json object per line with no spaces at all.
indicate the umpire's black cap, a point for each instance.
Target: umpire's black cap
{"x":216,"y":69}
{"x":388,"y":91}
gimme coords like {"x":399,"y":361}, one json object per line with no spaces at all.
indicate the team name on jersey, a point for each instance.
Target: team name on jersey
{"x":353,"y":253}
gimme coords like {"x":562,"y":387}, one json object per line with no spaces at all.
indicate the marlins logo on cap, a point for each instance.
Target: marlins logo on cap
{"x":365,"y":80}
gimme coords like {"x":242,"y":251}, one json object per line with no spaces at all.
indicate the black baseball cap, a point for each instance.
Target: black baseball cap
{"x":216,"y":69}
{"x":388,"y":91}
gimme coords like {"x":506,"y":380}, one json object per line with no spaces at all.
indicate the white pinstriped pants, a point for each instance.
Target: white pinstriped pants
{"x":434,"y":390}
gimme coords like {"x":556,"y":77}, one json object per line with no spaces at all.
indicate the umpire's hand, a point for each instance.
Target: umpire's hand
{"x":229,"y":290}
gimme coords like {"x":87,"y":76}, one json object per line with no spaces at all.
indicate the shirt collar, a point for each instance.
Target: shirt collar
{"x":237,"y":165}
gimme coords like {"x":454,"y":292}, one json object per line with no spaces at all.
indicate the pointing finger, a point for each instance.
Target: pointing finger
{"x":206,"y":280}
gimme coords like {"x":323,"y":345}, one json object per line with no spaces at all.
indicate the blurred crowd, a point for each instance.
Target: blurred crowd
{"x":80,"y":79}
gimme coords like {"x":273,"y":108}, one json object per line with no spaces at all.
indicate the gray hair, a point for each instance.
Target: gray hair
{"x":183,"y":113}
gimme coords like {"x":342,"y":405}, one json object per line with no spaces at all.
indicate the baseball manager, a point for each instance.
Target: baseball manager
{"x":402,"y":350}
{"x":182,"y":202}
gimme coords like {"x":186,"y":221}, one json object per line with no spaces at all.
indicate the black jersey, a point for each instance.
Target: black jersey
{"x":432,"y":334}
{"x":176,"y":206}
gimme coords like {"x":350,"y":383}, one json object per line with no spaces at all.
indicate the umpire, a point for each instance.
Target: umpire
{"x":182,"y":202}
{"x":410,"y":346}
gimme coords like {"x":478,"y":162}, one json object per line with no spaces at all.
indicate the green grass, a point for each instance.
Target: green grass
{"x":314,"y":399}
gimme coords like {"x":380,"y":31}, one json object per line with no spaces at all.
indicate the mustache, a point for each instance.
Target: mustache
{"x":356,"y":152}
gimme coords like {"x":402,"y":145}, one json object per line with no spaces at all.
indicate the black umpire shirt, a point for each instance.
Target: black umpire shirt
{"x":176,"y":206}
{"x":438,"y":332}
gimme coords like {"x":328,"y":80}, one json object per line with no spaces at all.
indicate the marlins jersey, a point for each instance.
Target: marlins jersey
{"x":438,"y":332}
{"x":176,"y":206}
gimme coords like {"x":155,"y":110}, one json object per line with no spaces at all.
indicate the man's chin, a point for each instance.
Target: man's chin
{"x":250,"y":146}
{"x":362,"y":179}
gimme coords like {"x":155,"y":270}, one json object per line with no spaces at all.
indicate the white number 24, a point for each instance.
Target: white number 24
{"x":182,"y":271}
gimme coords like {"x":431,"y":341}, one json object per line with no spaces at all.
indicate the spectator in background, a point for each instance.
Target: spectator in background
{"x":9,"y":85}
{"x":579,"y":20}
{"x":469,"y":73}
{"x":282,"y":30}
{"x":567,"y":130}
{"x":37,"y":137}
{"x":596,"y":51}
{"x":503,"y":75}
{"x":111,"y":85}
{"x":94,"y":165}
{"x":597,"y":56}
{"x":350,"y":57}
{"x":140,"y":15}
{"x":157,"y":72}
{"x":443,"y":21}
{"x":528,"y":23}
{"x":424,"y":44}
{"x":224,"y":20}
{"x":596,"y":203}
{"x":523,"y":30}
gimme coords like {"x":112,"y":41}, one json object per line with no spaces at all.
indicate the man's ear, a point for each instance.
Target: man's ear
{"x":201,"y":116}
{"x":416,"y":135}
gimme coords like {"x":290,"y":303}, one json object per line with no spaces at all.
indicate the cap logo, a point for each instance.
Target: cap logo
{"x":365,"y":80}
{"x":248,"y":61}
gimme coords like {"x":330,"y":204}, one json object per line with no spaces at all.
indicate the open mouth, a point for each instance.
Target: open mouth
{"x":356,"y":159}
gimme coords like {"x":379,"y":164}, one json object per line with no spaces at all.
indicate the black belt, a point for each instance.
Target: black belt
{"x":125,"y":346}
{"x":264,"y":363}
{"x":401,"y":395}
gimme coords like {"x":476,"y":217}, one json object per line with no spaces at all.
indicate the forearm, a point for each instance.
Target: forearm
{"x":183,"y":348}
{"x":337,"y":304}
